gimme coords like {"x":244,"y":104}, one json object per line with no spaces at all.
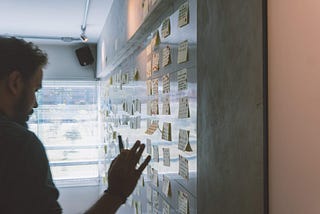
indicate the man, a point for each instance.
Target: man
{"x":26,"y":184}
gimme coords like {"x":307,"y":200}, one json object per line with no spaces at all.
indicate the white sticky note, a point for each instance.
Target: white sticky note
{"x":184,"y":144}
{"x":149,"y":171}
{"x":155,"y":153}
{"x":165,"y":28}
{"x":152,"y":127}
{"x":155,"y":179}
{"x":183,"y":14}
{"x":166,"y":131}
{"x":183,"y":202}
{"x":149,"y":148}
{"x":149,"y":110}
{"x":166,"y":186}
{"x":155,"y":87}
{"x":155,"y":107}
{"x":155,"y":197}
{"x":183,"y":167}
{"x":184,"y":111}
{"x":182,"y":79}
{"x":183,"y":52}
{"x":165,"y":208}
{"x":166,"y":106}
{"x":155,"y":61}
{"x":149,"y":87}
{"x":166,"y":83}
{"x":166,"y":58}
{"x":166,"y":156}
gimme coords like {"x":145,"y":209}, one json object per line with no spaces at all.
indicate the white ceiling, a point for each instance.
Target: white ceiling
{"x":52,"y":18}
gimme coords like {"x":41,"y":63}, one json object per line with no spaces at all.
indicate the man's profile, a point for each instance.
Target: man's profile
{"x":26,"y":184}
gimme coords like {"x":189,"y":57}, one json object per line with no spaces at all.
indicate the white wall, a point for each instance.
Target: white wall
{"x":64,"y":65}
{"x":294,"y":96}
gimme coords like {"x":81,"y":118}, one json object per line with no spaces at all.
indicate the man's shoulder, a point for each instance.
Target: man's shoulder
{"x":14,"y":132}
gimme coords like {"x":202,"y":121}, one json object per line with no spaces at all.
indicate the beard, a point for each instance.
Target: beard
{"x":22,"y":110}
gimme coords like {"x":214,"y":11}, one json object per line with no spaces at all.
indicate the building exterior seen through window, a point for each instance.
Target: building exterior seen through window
{"x":67,"y":122}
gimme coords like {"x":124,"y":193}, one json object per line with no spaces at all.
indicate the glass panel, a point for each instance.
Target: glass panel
{"x":67,"y":123}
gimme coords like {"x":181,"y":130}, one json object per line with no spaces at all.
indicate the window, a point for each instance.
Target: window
{"x":67,"y":122}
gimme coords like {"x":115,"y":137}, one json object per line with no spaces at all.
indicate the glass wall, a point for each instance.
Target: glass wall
{"x":67,"y":121}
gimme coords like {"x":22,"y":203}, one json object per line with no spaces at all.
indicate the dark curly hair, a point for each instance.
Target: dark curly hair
{"x":19,"y":55}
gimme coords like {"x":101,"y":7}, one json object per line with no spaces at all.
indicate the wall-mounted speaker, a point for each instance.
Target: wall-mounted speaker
{"x":84,"y":55}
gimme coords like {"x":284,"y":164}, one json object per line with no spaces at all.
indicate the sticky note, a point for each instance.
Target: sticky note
{"x":183,"y":15}
{"x":183,"y":167}
{"x":183,"y":52}
{"x":166,"y":156}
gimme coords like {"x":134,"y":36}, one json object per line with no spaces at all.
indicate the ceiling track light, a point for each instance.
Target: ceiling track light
{"x":83,"y":36}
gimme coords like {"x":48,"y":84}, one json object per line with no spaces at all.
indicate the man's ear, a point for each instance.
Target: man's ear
{"x":15,"y":82}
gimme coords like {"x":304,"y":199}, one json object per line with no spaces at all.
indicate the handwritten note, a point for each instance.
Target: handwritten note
{"x":149,"y":148}
{"x":166,"y":156}
{"x":155,"y":107}
{"x":165,"y":29}
{"x":184,"y":144}
{"x":155,"y":197}
{"x":155,"y":153}
{"x":155,"y":87}
{"x":182,"y":79}
{"x":166,"y":58}
{"x":166,"y":208}
{"x":137,"y":105}
{"x":183,"y":167}
{"x":135,"y":122}
{"x":183,"y":52}
{"x":152,"y":128}
{"x":149,"y":69}
{"x":149,"y":171}
{"x":166,"y":131}
{"x":166,"y":186}
{"x":149,"y":107}
{"x":155,"y":177}
{"x":184,"y":111}
{"x":183,"y":15}
{"x":183,"y":202}
{"x":149,"y":87}
{"x":155,"y":61}
{"x":166,"y":106}
{"x":166,"y":83}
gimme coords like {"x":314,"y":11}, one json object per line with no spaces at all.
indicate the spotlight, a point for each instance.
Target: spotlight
{"x":83,"y":37}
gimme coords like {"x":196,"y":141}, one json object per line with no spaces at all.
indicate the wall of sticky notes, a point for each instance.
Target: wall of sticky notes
{"x":149,"y":92}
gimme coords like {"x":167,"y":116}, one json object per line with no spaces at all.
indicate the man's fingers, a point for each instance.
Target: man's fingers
{"x":140,"y":151}
{"x":144,"y":164}
{"x":135,"y":147}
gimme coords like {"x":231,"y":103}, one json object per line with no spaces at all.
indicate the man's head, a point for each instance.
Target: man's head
{"x":21,"y":66}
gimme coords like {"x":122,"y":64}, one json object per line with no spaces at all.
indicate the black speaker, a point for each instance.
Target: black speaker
{"x":84,"y":55}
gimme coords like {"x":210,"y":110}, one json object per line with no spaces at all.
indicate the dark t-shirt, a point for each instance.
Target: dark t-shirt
{"x":26,"y":184}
